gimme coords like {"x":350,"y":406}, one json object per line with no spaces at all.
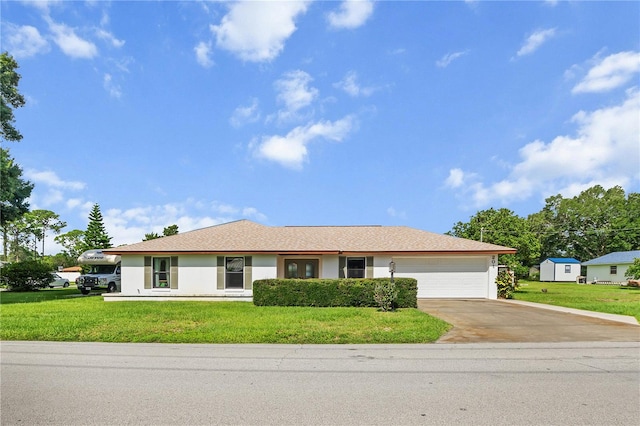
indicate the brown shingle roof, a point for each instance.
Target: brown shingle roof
{"x":245,"y":236}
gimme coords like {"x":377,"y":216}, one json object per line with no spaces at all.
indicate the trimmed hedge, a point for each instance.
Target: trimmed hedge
{"x":330,"y":292}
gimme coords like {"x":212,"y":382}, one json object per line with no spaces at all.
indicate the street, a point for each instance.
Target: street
{"x":170,"y":384}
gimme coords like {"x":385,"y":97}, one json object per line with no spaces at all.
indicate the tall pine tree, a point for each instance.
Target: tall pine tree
{"x":96,"y":237}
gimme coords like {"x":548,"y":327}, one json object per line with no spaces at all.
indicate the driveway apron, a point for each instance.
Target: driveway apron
{"x":482,"y":320}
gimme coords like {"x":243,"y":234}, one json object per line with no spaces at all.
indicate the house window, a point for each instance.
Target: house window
{"x":613,"y":270}
{"x":356,"y":267}
{"x":292,"y":270}
{"x":567,"y":269}
{"x":234,"y":272}
{"x":161,"y":275}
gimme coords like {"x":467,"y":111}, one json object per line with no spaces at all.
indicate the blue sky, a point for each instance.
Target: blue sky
{"x":320,"y":113}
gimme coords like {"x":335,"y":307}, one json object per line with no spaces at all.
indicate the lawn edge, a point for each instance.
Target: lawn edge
{"x":627,"y":319}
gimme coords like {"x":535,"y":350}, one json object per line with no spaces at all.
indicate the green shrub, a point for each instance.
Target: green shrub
{"x":633,"y":271}
{"x":385,"y":294}
{"x":26,"y":276}
{"x":507,"y":284}
{"x":330,"y":292}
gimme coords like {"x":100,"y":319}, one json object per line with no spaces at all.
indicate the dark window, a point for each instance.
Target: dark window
{"x":567,"y":269}
{"x":161,"y":276}
{"x":356,"y":267}
{"x":234,"y":271}
{"x":613,"y":270}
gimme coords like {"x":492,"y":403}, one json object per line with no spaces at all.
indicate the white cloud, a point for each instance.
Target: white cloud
{"x":245,"y":114}
{"x":109,"y":38}
{"x":256,"y":31}
{"x":612,"y":72}
{"x":112,"y":88}
{"x":51,"y":179}
{"x":395,"y":213}
{"x":70,"y":43}
{"x":603,"y":151}
{"x":291,"y":150}
{"x":351,"y":14}
{"x":51,"y":188}
{"x":535,"y":40}
{"x":43,"y":5}
{"x":295,"y":93}
{"x":450,"y":57}
{"x":24,"y":41}
{"x":203,"y":54}
{"x":351,"y":86}
{"x":455,"y":178}
{"x":127,"y":226}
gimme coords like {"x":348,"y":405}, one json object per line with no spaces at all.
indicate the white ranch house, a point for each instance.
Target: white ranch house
{"x":611,"y":267}
{"x":559,"y":269}
{"x":224,"y":260}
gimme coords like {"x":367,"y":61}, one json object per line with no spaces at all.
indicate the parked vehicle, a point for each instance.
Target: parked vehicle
{"x":104,"y":272}
{"x":58,"y":281}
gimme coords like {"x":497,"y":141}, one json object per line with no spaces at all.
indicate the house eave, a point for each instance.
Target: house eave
{"x":314,"y":252}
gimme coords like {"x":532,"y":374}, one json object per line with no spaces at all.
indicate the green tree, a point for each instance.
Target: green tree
{"x":503,"y":227}
{"x":14,"y":192}
{"x":589,"y":225}
{"x":170,"y":230}
{"x":17,"y":236}
{"x":41,"y":221}
{"x":166,"y":232}
{"x":73,"y":243}
{"x":151,"y":236}
{"x":9,"y":97}
{"x":633,"y":271}
{"x":96,"y":237}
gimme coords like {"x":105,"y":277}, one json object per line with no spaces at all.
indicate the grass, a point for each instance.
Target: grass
{"x":611,"y":299}
{"x":65,"y":315}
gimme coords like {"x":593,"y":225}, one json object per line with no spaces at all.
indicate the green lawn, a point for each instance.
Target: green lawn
{"x":65,"y":315}
{"x":600,"y":298}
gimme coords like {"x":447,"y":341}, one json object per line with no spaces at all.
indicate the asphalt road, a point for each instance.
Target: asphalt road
{"x":159,"y":384}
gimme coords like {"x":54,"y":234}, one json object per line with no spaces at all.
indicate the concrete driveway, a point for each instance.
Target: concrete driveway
{"x":482,"y":320}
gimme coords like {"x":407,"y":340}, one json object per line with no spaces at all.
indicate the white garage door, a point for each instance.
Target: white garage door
{"x":454,"y":277}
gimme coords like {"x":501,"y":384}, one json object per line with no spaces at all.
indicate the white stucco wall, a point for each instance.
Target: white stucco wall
{"x":601,"y":272}
{"x":264,"y":266}
{"x":197,"y":274}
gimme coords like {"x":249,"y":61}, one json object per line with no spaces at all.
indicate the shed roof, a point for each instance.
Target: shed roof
{"x":245,"y":236}
{"x":615,"y":258}
{"x":563,"y":260}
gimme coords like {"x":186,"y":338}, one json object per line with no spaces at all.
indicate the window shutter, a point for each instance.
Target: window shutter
{"x":342,"y":264}
{"x":369,"y":270}
{"x":147,"y":272}
{"x":248,"y":281}
{"x":220,"y":279}
{"x":173,"y":273}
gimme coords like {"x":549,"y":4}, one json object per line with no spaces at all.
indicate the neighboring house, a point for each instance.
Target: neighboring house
{"x":610,"y":267}
{"x":559,"y":269}
{"x":224,"y":260}
{"x":71,"y":273}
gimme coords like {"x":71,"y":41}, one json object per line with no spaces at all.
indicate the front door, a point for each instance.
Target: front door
{"x":301,"y":268}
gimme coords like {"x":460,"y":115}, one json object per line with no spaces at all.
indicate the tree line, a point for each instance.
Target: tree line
{"x":596,"y":222}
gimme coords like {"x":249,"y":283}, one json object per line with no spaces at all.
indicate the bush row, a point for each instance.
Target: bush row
{"x":331,"y":292}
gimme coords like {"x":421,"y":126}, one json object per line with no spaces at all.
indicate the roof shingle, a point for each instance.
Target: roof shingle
{"x":245,"y":236}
